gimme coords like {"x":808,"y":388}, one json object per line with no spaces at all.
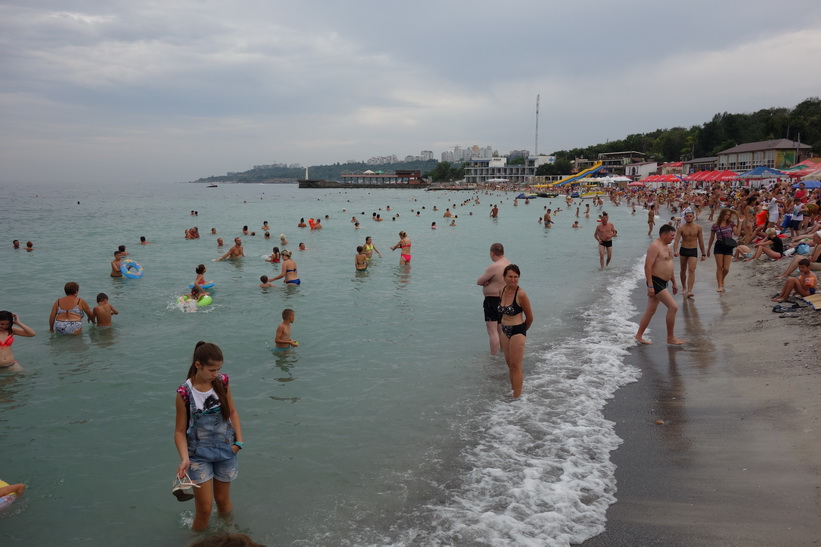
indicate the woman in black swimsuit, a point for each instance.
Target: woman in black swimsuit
{"x":513,"y":304}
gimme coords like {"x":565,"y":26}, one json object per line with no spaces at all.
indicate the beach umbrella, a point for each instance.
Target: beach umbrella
{"x":637,"y":183}
{"x":815,"y":175}
{"x":809,"y":184}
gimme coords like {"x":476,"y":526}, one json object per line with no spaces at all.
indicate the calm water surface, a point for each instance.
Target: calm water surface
{"x":389,"y":424}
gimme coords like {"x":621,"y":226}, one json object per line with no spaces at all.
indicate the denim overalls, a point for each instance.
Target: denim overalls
{"x":209,"y":442}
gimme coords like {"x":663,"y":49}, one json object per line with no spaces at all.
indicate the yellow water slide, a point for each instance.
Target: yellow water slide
{"x":589,"y":171}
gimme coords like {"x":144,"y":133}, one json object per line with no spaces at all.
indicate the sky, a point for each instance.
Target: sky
{"x":125,"y":91}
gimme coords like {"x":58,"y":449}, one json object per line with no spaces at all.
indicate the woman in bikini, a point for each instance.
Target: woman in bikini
{"x":10,"y":326}
{"x":405,"y":245}
{"x":723,"y":230}
{"x":67,"y":312}
{"x":288,"y":270}
{"x":512,"y":304}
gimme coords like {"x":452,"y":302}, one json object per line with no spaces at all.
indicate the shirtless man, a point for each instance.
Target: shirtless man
{"x":548,"y":220}
{"x":690,"y":236}
{"x":658,"y":271}
{"x":234,"y":252}
{"x":604,"y":235}
{"x":494,"y":213}
{"x":492,"y":282}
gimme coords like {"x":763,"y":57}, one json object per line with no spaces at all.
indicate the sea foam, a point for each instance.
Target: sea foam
{"x":540,"y":472}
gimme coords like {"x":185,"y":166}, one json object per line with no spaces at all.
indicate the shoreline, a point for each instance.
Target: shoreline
{"x":738,"y":458}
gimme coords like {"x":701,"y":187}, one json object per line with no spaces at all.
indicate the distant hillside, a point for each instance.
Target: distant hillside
{"x":722,"y":132}
{"x":326,"y":172}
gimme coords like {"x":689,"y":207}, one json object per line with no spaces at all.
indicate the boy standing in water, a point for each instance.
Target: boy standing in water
{"x":283,"y":334}
{"x":115,"y":265}
{"x":103,"y":311}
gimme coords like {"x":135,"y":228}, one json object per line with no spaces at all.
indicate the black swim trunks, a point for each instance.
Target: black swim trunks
{"x":659,"y":284}
{"x":491,"y":306}
{"x":608,"y":243}
{"x":686,"y":251}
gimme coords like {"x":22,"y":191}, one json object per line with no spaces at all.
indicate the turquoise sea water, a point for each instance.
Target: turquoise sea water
{"x":389,"y":424}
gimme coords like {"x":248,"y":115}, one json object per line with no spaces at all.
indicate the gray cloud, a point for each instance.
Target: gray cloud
{"x":173,"y":91}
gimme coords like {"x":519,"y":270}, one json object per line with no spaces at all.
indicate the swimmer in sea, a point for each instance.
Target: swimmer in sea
{"x":405,"y":245}
{"x":282,"y":338}
{"x":115,"y":265}
{"x":370,"y":249}
{"x":263,"y":282}
{"x":103,"y":311}
{"x":10,"y":326}
{"x":360,"y":260}
{"x":288,"y":270}
{"x":234,"y":252}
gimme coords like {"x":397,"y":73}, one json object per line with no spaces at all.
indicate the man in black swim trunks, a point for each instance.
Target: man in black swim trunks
{"x":604,"y":233}
{"x":492,"y":282}
{"x":691,"y":241}
{"x":658,"y":272}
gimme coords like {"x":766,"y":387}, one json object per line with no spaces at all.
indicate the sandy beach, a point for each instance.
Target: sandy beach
{"x":737,"y":459}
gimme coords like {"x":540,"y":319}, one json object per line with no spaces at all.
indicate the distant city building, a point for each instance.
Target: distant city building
{"x":496,"y":170}
{"x":382,"y":160}
{"x":518,"y":154}
{"x":457,"y":153}
{"x":777,"y":154}
{"x":426,"y":155}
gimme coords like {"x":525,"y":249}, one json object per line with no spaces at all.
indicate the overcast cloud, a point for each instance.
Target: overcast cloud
{"x":171,"y":91}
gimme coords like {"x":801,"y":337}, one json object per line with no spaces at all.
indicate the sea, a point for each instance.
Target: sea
{"x":389,"y":424}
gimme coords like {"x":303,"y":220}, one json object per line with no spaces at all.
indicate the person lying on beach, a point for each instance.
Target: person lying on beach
{"x":804,"y":285}
{"x":103,"y":311}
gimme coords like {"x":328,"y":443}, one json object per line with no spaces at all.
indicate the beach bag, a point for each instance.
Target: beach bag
{"x":728,"y":241}
{"x":802,"y":249}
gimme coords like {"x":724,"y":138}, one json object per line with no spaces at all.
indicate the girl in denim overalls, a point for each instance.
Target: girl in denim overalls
{"x":207,"y":433}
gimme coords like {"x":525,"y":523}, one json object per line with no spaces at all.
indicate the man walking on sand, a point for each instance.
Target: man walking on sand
{"x":690,"y":236}
{"x":658,"y":272}
{"x":492,"y":282}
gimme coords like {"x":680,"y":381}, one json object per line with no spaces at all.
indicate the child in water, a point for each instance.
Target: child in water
{"x":103,"y":311}
{"x":282,"y":339}
{"x":207,"y":433}
{"x":361,"y":259}
{"x":264,"y":282}
{"x":10,"y":326}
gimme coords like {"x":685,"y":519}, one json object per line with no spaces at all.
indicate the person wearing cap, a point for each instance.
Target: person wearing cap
{"x":692,"y":241}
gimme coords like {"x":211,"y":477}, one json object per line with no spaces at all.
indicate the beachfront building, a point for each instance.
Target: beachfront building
{"x":615,"y":162}
{"x":700,"y":164}
{"x":496,"y":170}
{"x":641,"y":169}
{"x":371,"y":178}
{"x":776,"y":154}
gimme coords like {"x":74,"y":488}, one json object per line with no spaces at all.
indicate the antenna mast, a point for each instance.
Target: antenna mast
{"x":536,"y":153}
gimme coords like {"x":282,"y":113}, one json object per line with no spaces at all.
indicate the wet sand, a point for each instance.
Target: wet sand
{"x":738,"y":457}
